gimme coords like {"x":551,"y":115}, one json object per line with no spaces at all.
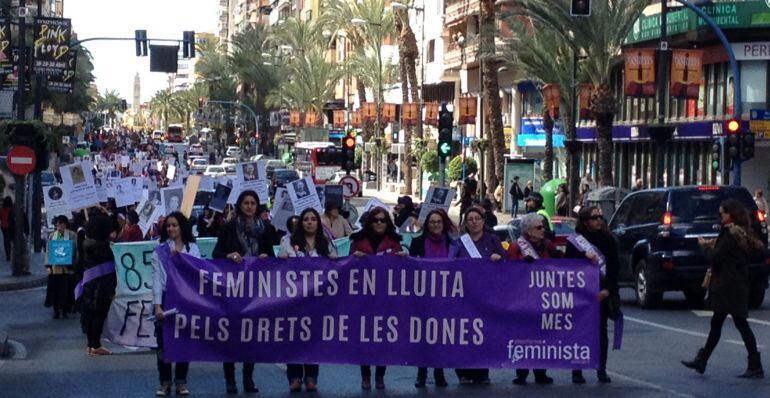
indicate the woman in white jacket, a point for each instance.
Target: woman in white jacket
{"x":175,"y":236}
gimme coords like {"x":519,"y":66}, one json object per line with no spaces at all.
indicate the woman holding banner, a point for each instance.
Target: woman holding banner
{"x":177,"y":235}
{"x":378,"y":237}
{"x":307,"y":239}
{"x":436,"y":241}
{"x":246,"y":235}
{"x":97,"y":293}
{"x":530,"y":246}
{"x":594,"y":241}
{"x":60,"y":276}
{"x":477,"y":242}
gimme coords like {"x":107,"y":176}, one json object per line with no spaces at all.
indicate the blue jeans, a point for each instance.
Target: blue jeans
{"x":514,"y":207}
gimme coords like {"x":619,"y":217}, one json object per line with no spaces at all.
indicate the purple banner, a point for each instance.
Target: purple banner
{"x":384,"y":310}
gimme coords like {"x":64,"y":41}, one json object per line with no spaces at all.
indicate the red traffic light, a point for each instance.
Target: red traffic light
{"x":732,"y":126}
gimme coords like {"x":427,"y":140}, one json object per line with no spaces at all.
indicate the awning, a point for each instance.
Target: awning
{"x":441,"y":92}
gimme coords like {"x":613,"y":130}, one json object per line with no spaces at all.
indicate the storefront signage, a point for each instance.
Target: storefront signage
{"x":533,"y":134}
{"x":759,"y":50}
{"x":728,"y":15}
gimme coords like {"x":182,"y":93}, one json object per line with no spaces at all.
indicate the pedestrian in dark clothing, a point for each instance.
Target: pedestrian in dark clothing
{"x":6,"y":224}
{"x":529,"y":188}
{"x":246,"y":235}
{"x":490,"y":219}
{"x":728,"y":283}
{"x":98,"y":293}
{"x":602,"y":250}
{"x":516,"y":195}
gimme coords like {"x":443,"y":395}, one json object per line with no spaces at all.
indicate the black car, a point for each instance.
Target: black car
{"x":658,"y":231}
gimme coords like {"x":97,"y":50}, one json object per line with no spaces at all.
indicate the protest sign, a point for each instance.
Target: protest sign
{"x":206,"y":184}
{"x":60,"y":252}
{"x":333,"y":193}
{"x":126,"y":322}
{"x":218,"y":201}
{"x":171,"y":199}
{"x":101,"y":189}
{"x":387,"y":310}
{"x":437,"y":198}
{"x":303,"y":195}
{"x":127,"y":191}
{"x":190,"y":191}
{"x":253,"y":176}
{"x":79,"y":185}
{"x":149,"y":212}
{"x":171,"y":172}
{"x":55,"y":203}
{"x":282,"y":209}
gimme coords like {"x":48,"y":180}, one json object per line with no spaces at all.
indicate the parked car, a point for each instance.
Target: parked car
{"x":199,"y":165}
{"x":281,"y":177}
{"x":233,"y":151}
{"x":229,"y":164}
{"x":215,"y":171}
{"x":658,"y":231}
{"x":271,"y":165}
{"x":196,"y":149}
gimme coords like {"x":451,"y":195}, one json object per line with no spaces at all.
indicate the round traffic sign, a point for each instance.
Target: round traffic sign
{"x":21,"y":160}
{"x":350,"y":186}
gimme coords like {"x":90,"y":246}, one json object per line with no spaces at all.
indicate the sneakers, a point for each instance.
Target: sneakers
{"x":181,"y":389}
{"x":164,"y":390}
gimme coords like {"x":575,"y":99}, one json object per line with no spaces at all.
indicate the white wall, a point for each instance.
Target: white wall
{"x":755,"y":172}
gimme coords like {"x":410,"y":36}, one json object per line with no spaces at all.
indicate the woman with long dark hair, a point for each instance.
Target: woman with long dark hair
{"x":6,"y":225}
{"x":175,"y":237}
{"x":377,"y":237}
{"x":245,"y":235}
{"x":437,"y":241}
{"x":592,"y":240}
{"x":736,"y":246}
{"x":477,"y":242}
{"x":307,"y":240}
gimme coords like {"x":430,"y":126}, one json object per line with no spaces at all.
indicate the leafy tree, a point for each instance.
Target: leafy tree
{"x":455,"y":169}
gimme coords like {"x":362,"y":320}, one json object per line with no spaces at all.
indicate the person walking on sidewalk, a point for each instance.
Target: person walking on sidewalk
{"x":516,"y":195}
{"x":728,"y":284}
{"x":6,"y":224}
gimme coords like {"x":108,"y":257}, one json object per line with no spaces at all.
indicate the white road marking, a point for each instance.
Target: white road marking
{"x":650,"y":385}
{"x":704,"y":314}
{"x":678,"y":330}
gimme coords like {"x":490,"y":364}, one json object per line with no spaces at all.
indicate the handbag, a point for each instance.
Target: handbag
{"x":706,"y":279}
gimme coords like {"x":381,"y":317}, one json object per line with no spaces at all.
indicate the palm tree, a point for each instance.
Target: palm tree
{"x":496,"y":151}
{"x":110,"y":103}
{"x":255,"y":78}
{"x":163,"y":106}
{"x":600,"y":37}
{"x":407,"y":56}
{"x":215,"y":71}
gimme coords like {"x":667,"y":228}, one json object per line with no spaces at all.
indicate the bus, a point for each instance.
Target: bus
{"x":174,"y":133}
{"x":317,"y":159}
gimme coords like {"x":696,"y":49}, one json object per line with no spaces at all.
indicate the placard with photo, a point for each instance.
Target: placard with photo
{"x":303,"y":195}
{"x":171,"y":199}
{"x":79,"y":185}
{"x":218,"y":201}
{"x":253,"y":176}
{"x":149,"y":212}
{"x":437,"y":198}
{"x":282,"y":209}
{"x":55,"y":202}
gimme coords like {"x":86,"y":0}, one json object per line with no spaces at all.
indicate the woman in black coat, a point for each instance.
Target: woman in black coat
{"x":736,"y":246}
{"x":246,"y":235}
{"x":591,"y":225}
{"x":98,"y":293}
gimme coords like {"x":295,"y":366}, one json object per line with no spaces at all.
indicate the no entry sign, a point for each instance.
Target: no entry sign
{"x":21,"y":160}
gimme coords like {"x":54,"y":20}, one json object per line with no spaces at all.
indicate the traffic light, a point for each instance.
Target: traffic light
{"x":141,"y":42}
{"x":188,"y":44}
{"x":580,"y":8}
{"x":349,"y":151}
{"x":732,"y":144}
{"x":445,"y":122}
{"x":201,"y":102}
{"x":395,"y":136}
{"x":747,"y":150}
{"x":716,"y":155}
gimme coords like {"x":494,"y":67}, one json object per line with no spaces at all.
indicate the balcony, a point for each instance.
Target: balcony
{"x":456,"y":10}
{"x":453,"y":53}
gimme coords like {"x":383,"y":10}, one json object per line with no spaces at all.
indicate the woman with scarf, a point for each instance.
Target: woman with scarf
{"x":477,"y":242}
{"x":246,"y":235}
{"x":175,"y":237}
{"x":530,"y":246}
{"x":592,"y":240}
{"x":403,"y":213}
{"x":437,"y":241}
{"x":377,"y":237}
{"x":307,"y":239}
{"x":61,"y":276}
{"x":736,"y":246}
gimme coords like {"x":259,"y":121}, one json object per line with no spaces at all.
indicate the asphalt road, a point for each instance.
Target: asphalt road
{"x":56,"y":364}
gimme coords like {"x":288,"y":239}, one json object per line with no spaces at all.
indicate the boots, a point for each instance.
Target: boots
{"x":699,"y":362}
{"x":754,"y":370}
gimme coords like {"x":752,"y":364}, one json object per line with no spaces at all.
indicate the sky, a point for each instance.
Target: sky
{"x":115,"y":62}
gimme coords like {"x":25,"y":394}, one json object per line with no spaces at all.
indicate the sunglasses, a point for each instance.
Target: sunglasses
{"x":596,"y":217}
{"x":379,"y":220}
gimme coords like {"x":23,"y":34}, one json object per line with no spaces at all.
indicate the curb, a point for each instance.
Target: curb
{"x":27,"y":283}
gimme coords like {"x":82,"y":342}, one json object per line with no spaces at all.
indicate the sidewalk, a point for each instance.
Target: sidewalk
{"x":38,"y":278}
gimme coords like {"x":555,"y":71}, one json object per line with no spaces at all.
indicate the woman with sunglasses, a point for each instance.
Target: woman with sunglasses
{"x":477,"y":242}
{"x":437,"y":241}
{"x":307,"y":239}
{"x":530,"y":246}
{"x":593,"y":241}
{"x":729,"y":255}
{"x":175,"y":237}
{"x":377,"y":237}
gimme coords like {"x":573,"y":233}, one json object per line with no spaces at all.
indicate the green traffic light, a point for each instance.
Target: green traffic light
{"x":445,"y":148}
{"x":715,"y":165}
